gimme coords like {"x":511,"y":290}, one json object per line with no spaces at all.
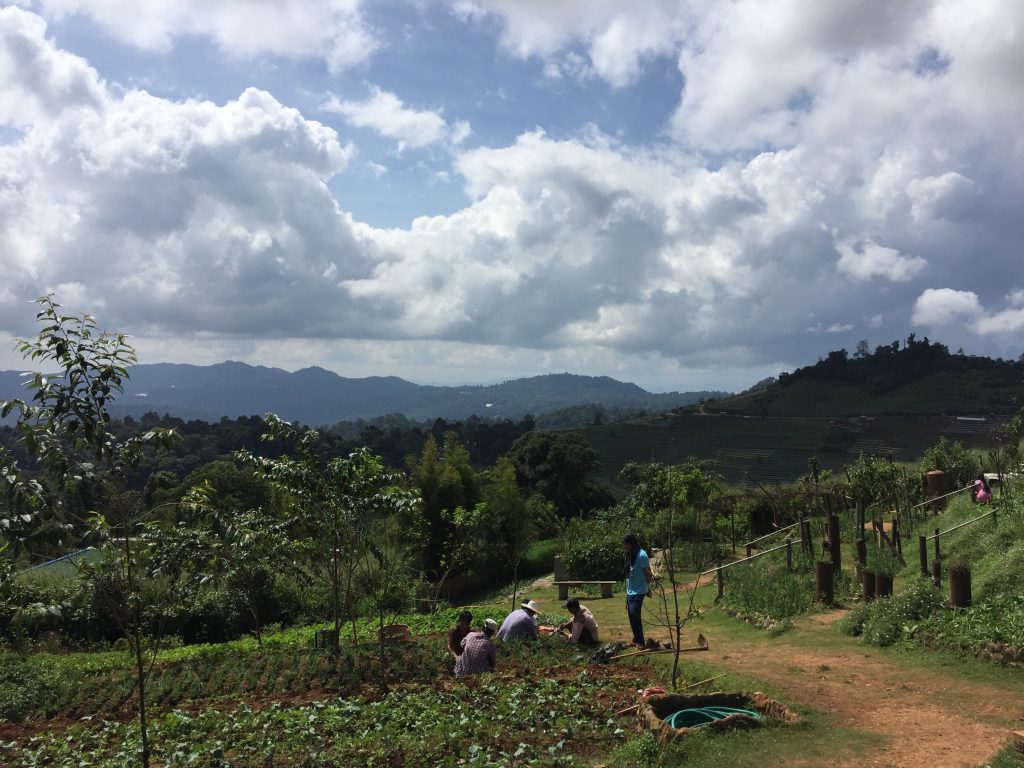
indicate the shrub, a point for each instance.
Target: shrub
{"x":996,"y":619}
{"x":951,"y":457}
{"x":767,"y":588}
{"x":592,"y":551}
{"x":886,"y":621}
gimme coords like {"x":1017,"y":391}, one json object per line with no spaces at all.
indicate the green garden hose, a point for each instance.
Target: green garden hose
{"x":700,"y":716}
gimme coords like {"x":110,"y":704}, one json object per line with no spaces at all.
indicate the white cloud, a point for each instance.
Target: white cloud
{"x":387,"y":115}
{"x":618,"y":39}
{"x":331,"y":30}
{"x":869,"y":259}
{"x":194,"y":219}
{"x":39,"y":80}
{"x":1010,"y":320}
{"x":943,"y":306}
{"x":171,"y":212}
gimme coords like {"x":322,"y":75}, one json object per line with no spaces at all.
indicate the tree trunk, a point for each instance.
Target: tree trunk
{"x":256,"y":618}
{"x":140,"y":666}
{"x":140,"y":670}
{"x":335,"y":591}
{"x":515,"y":583}
{"x":349,"y":605}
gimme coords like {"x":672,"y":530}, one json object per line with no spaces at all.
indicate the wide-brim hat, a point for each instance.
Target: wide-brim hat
{"x":531,"y":606}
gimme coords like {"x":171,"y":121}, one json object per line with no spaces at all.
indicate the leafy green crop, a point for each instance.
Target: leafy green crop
{"x":497,"y":722}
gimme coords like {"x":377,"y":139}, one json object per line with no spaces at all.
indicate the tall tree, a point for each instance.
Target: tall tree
{"x":510,"y":517}
{"x":557,"y":465}
{"x":66,"y":425}
{"x":332,"y":502}
{"x":446,"y":483}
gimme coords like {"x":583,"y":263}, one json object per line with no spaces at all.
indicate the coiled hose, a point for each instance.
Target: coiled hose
{"x":700,"y":716}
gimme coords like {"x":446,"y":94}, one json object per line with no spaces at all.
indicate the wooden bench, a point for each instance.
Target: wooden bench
{"x":563,"y":587}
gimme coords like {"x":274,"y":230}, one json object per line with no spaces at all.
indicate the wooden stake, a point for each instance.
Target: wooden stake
{"x":694,"y":685}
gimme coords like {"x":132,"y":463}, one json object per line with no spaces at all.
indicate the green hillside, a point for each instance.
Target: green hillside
{"x":919,"y":378}
{"x":776,"y":449}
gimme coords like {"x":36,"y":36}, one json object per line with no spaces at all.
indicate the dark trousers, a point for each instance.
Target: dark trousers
{"x":634,"y":604}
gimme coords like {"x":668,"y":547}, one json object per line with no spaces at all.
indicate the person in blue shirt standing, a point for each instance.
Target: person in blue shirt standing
{"x":638,"y":577}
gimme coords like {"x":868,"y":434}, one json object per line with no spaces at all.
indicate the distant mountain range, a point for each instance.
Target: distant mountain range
{"x":320,"y":397}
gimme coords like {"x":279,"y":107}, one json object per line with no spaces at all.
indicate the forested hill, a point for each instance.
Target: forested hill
{"x":316,"y":396}
{"x":917,"y":377}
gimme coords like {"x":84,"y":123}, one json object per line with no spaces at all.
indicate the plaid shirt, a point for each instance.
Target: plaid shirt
{"x":478,"y":655}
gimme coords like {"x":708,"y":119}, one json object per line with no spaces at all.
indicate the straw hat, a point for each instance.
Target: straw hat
{"x":531,"y":606}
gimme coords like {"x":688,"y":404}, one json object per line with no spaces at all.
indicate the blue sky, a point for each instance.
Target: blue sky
{"x":682,"y":194}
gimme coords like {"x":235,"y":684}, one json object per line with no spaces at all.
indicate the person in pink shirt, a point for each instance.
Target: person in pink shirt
{"x":582,"y":626}
{"x":982,"y":491}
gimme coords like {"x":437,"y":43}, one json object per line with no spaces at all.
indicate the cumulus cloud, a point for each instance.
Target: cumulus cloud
{"x":385,"y":113}
{"x":942,"y":306}
{"x":39,"y":80}
{"x":618,"y":40}
{"x":194,"y":219}
{"x":869,"y":259}
{"x":171,"y":212}
{"x":331,"y":30}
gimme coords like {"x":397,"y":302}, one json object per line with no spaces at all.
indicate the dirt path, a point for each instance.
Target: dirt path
{"x":930,"y":718}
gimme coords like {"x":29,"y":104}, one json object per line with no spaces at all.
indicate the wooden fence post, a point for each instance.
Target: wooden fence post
{"x":922,"y":545}
{"x":862,"y":551}
{"x":789,"y":553}
{"x":824,"y":586}
{"x":833,"y":540}
{"x":721,"y":581}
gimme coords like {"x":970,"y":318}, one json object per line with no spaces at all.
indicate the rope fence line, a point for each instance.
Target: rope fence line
{"x":745,"y":559}
{"x":943,"y":496}
{"x":937,"y":537}
{"x":769,"y":535}
{"x":991,"y":513}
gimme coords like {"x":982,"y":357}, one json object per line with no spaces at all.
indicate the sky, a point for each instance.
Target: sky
{"x":686,"y":195}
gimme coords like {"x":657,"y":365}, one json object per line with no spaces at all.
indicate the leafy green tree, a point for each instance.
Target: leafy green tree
{"x":511,"y":521}
{"x":950,"y":456}
{"x":557,"y":465}
{"x":244,"y":550}
{"x":446,"y":483}
{"x":65,"y":425}
{"x":334,"y":503}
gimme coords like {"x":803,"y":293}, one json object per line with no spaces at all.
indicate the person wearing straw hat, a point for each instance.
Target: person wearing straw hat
{"x":478,"y":651}
{"x":521,"y":624}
